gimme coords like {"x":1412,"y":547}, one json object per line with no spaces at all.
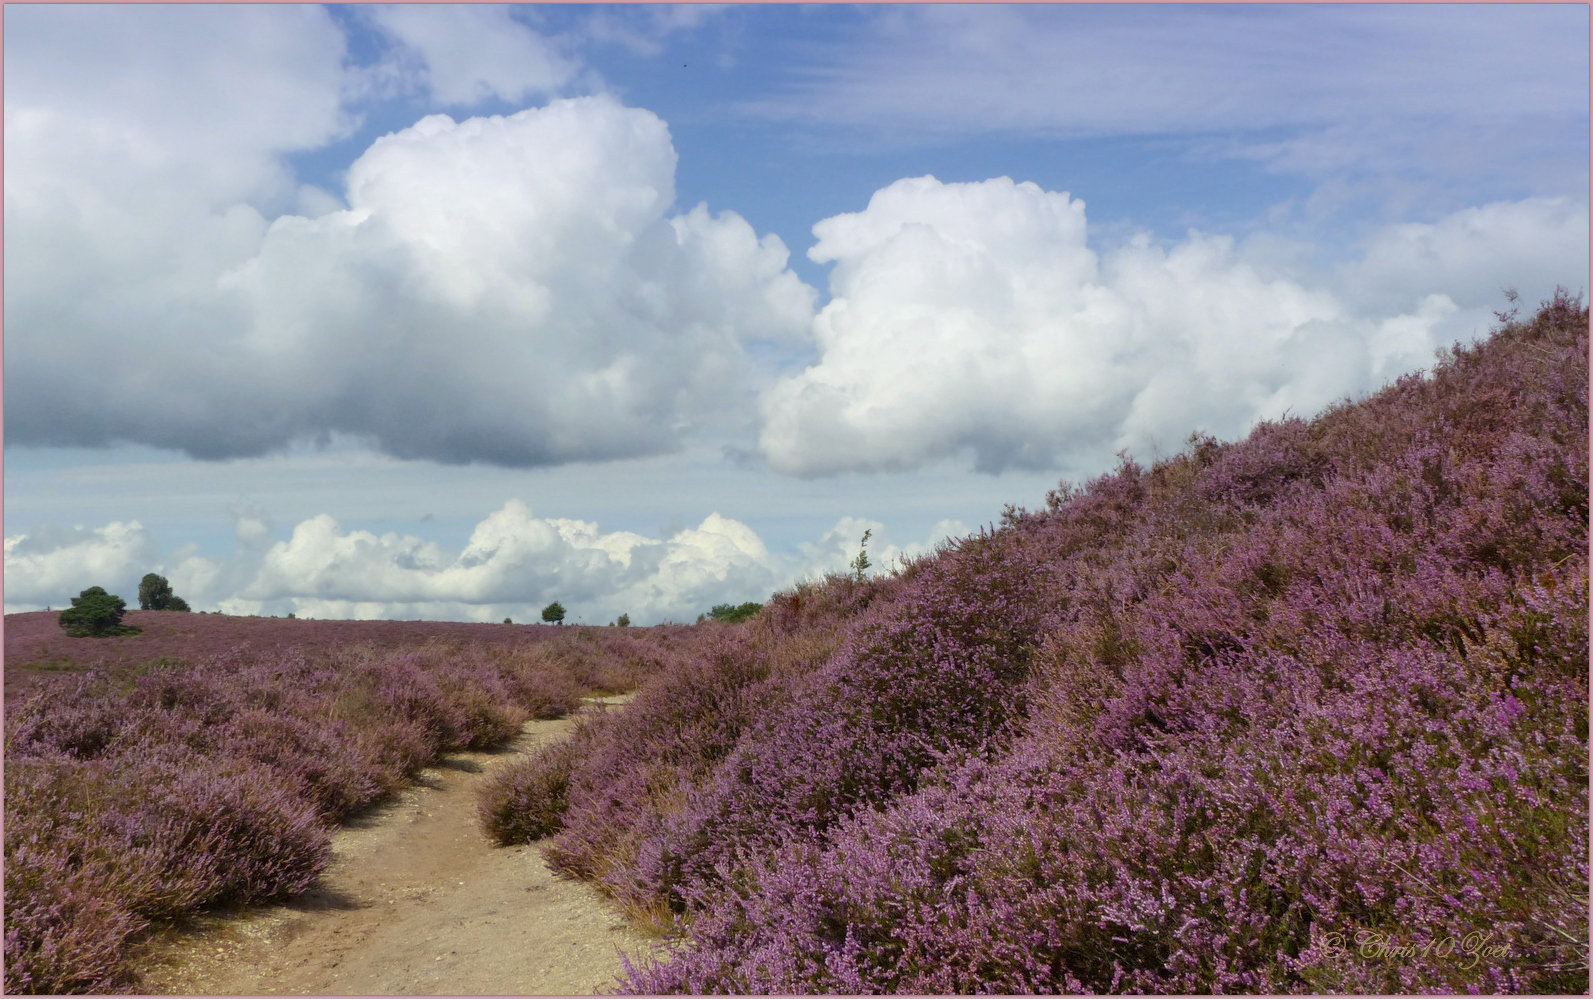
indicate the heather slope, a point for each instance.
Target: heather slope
{"x":1302,"y":713}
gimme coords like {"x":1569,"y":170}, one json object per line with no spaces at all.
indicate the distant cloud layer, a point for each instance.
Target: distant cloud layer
{"x":463,"y":55}
{"x":975,"y":318}
{"x":1317,"y":90}
{"x":513,"y":564}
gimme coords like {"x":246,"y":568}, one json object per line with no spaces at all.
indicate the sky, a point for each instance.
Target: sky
{"x":447,"y":312}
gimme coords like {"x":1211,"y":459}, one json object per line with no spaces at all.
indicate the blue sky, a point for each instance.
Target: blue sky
{"x":280,"y":330}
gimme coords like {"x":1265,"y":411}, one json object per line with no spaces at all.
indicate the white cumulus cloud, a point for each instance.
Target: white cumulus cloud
{"x":120,"y":111}
{"x":975,"y":319}
{"x":509,"y":289}
{"x":513,"y":564}
{"x":1470,"y":256}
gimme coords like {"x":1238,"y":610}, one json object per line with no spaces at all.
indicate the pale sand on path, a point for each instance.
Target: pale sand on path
{"x":416,"y":901}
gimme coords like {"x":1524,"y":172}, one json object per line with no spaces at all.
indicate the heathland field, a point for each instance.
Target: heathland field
{"x":1306,"y":712}
{"x":207,"y":759}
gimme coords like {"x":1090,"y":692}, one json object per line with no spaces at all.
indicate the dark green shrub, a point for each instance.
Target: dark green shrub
{"x":95,"y":614}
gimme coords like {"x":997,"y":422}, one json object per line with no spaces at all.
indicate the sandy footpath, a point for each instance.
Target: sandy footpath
{"x":416,"y":901}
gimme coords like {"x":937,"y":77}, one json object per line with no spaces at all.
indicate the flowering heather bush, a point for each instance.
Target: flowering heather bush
{"x":943,"y":672}
{"x":95,"y":849}
{"x":528,"y":802}
{"x":823,"y":603}
{"x":143,"y":791}
{"x":1302,"y":713}
{"x":683,"y":721}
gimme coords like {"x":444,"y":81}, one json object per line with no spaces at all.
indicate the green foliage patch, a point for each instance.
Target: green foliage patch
{"x":96,"y":614}
{"x":734,"y":613}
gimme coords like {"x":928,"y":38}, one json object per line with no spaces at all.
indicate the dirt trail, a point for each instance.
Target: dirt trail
{"x":416,"y":901}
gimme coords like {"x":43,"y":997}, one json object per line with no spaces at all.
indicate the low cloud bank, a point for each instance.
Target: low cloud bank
{"x":513,"y":564}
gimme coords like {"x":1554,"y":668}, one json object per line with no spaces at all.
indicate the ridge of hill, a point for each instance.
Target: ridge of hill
{"x":1306,"y":712}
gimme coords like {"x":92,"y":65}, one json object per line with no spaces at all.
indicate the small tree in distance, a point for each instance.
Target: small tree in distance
{"x":95,"y":614}
{"x":860,"y":564}
{"x":154,"y":593}
{"x":624,"y":621}
{"x":553,"y":613}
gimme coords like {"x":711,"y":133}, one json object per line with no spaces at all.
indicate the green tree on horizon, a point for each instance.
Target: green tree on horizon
{"x":553,"y":613}
{"x":154,"y":593}
{"x":95,"y":614}
{"x":860,"y":564}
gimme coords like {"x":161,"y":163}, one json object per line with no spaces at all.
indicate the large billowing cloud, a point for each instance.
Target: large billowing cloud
{"x":513,"y":564}
{"x":509,"y":289}
{"x":50,"y":566}
{"x":975,"y":319}
{"x":514,"y":290}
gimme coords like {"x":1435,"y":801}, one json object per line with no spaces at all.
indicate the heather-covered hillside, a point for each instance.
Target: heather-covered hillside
{"x":1302,"y":713}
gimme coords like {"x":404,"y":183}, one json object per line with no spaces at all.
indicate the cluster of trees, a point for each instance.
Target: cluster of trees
{"x":733,"y":613}
{"x":96,"y":613}
{"x":154,"y":593}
